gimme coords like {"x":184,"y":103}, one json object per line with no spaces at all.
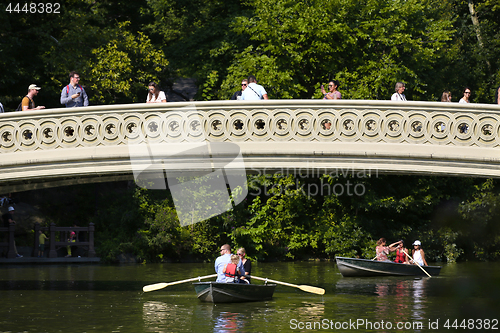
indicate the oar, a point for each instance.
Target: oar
{"x":309,"y":289}
{"x":156,"y":286}
{"x":416,"y":263}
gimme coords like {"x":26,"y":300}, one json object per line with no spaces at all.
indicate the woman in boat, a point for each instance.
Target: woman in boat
{"x":382,"y":250}
{"x":232,"y":271}
{"x":418,"y":254}
{"x":401,"y":257}
{"x":247,"y":264}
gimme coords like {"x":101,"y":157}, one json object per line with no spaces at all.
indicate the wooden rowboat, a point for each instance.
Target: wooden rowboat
{"x":216,"y":292}
{"x":364,"y":267}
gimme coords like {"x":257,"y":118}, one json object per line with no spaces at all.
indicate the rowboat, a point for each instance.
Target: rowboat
{"x":364,"y":267}
{"x":216,"y":292}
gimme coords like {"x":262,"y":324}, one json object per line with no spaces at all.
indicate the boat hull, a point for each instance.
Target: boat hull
{"x":215,"y":292}
{"x":363,"y":267}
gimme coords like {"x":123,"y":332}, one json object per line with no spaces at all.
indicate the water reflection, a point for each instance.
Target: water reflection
{"x":419,"y":299}
{"x":229,"y":322}
{"x":403,"y":298}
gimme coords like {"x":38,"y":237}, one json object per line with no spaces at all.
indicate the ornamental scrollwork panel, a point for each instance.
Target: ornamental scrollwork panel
{"x":278,"y":124}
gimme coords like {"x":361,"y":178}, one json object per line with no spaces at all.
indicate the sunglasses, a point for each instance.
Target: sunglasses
{"x":240,"y":254}
{"x":244,"y":84}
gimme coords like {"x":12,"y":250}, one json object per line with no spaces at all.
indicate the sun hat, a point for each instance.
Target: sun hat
{"x":417,"y":242}
{"x":34,"y":86}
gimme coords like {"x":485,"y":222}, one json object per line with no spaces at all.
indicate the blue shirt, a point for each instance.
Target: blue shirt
{"x":222,"y":261}
{"x":68,"y":91}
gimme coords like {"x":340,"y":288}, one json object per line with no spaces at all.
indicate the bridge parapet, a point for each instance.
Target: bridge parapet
{"x":234,"y":121}
{"x":391,"y":136}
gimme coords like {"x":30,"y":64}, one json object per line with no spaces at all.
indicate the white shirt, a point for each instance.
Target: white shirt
{"x":1,"y":108}
{"x":253,"y":92}
{"x":417,"y":257}
{"x":398,"y":97}
{"x":462,"y":101}
{"x":161,"y":97}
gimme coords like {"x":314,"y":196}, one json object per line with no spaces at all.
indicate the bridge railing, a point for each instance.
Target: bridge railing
{"x":56,"y":147}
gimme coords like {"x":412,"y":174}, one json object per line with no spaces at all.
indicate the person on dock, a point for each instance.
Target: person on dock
{"x":382,"y":250}
{"x":225,"y":258}
{"x":247,"y":264}
{"x":332,"y":93}
{"x":401,"y":257}
{"x":399,"y":94}
{"x":71,"y":239}
{"x":7,"y":220}
{"x":73,"y":94}
{"x":418,"y":254}
{"x":41,"y":243}
{"x":237,"y":94}
{"x":155,"y":95}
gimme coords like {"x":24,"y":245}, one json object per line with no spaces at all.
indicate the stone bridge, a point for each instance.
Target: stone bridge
{"x":55,"y":147}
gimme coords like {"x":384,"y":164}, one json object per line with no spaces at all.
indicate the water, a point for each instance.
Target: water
{"x":99,"y":298}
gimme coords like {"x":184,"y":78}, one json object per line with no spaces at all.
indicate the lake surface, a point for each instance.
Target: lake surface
{"x":101,"y":298}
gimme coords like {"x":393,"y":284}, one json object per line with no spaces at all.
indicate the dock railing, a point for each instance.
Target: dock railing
{"x":84,"y":237}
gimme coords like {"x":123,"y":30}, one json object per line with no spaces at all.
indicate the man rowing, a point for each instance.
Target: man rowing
{"x":223,"y":260}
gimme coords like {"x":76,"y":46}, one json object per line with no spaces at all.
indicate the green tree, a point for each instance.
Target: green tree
{"x":368,"y":45}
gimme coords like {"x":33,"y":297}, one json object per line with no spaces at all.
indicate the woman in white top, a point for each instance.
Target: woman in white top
{"x":418,"y":254}
{"x":466,"y":97}
{"x":398,"y":95}
{"x":155,"y":95}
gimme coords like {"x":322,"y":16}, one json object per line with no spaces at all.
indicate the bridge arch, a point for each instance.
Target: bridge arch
{"x":55,"y":147}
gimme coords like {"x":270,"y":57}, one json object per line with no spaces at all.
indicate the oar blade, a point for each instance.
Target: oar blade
{"x":153,"y":287}
{"x":311,"y":289}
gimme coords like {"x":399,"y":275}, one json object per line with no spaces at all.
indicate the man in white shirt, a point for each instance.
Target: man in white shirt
{"x":254,"y":91}
{"x":398,"y":95}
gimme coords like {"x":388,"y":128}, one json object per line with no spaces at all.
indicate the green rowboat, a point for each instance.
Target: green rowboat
{"x":216,"y":292}
{"x":363,"y":267}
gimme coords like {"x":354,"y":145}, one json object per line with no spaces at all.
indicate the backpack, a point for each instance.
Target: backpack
{"x":20,"y":106}
{"x":67,"y":88}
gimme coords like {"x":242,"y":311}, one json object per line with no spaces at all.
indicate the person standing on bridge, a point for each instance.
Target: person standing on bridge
{"x":73,"y":95}
{"x":27,"y":102}
{"x":333,"y":93}
{"x":398,"y":96}
{"x":466,"y":98}
{"x":254,"y":91}
{"x":155,"y":95}
{"x":237,"y":94}
{"x":446,"y":96}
